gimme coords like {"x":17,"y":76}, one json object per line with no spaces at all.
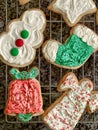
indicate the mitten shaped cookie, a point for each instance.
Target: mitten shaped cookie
{"x":22,"y":2}
{"x":66,"y":111}
{"x":23,"y":36}
{"x":72,"y":10}
{"x":24,"y":97}
{"x":80,"y":45}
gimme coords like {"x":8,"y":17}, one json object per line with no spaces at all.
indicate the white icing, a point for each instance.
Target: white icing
{"x":93,"y":102}
{"x":50,"y":50}
{"x":26,"y":53}
{"x":69,"y":85}
{"x":33,"y":21}
{"x":87,"y":35}
{"x":74,"y":8}
{"x":66,"y":113}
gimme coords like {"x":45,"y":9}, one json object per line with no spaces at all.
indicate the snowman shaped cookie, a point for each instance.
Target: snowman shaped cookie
{"x":23,"y":36}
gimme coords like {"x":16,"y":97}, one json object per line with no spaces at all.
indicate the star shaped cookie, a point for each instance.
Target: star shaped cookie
{"x":72,"y":10}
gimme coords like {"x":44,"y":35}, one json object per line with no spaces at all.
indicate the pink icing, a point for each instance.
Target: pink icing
{"x":24,"y":97}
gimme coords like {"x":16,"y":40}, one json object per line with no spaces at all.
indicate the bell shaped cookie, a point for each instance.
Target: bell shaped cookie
{"x":80,"y":45}
{"x":23,"y":36}
{"x":24,"y":97}
{"x":72,"y":10}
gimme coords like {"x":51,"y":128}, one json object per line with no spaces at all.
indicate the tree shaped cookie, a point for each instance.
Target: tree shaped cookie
{"x":80,"y":45}
{"x":72,"y":10}
{"x":66,"y":111}
{"x":25,"y":100}
{"x":23,"y":36}
{"x":22,"y":2}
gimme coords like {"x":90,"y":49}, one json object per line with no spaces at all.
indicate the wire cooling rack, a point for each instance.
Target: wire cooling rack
{"x":49,"y":74}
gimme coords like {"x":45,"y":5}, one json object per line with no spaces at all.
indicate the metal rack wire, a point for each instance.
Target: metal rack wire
{"x":50,"y":75}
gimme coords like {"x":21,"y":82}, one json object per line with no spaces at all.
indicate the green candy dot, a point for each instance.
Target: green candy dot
{"x":24,"y":34}
{"x":14,"y":51}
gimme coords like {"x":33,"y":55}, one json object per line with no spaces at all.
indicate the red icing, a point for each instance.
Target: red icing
{"x":19,"y":43}
{"x":24,"y":97}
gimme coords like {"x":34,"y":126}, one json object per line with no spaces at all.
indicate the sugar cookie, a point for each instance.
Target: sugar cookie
{"x":24,"y":97}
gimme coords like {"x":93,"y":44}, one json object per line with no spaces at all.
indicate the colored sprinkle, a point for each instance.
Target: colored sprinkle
{"x":14,"y":51}
{"x":24,"y":34}
{"x":19,"y":42}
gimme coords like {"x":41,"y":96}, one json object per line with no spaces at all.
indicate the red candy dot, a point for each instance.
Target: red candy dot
{"x":19,"y":42}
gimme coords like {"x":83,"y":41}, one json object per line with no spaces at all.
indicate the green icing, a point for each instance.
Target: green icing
{"x":24,"y":34}
{"x":14,"y":51}
{"x":33,"y":72}
{"x":24,"y":75}
{"x":74,"y":53}
{"x":24,"y":117}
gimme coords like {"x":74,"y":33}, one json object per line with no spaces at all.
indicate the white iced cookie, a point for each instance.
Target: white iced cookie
{"x":18,"y":45}
{"x":73,"y":10}
{"x":67,"y":110}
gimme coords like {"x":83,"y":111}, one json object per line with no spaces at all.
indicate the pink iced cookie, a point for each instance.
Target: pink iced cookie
{"x":25,"y":100}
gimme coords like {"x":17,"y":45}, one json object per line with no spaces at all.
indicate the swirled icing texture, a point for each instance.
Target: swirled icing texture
{"x":73,"y":53}
{"x":50,"y":50}
{"x":24,"y":97}
{"x":33,"y":21}
{"x":67,"y":112}
{"x":74,"y":8}
{"x":87,"y":35}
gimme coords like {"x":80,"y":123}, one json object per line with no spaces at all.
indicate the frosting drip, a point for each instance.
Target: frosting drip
{"x":66,"y":113}
{"x":87,"y":35}
{"x":24,"y":97}
{"x":33,"y":22}
{"x":74,"y":53}
{"x":74,"y":8}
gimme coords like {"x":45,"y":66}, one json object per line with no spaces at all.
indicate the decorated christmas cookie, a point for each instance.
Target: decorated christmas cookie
{"x":23,"y":36}
{"x":72,"y":10}
{"x":80,"y":45}
{"x":66,"y":111}
{"x":22,"y":2}
{"x":25,"y":100}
